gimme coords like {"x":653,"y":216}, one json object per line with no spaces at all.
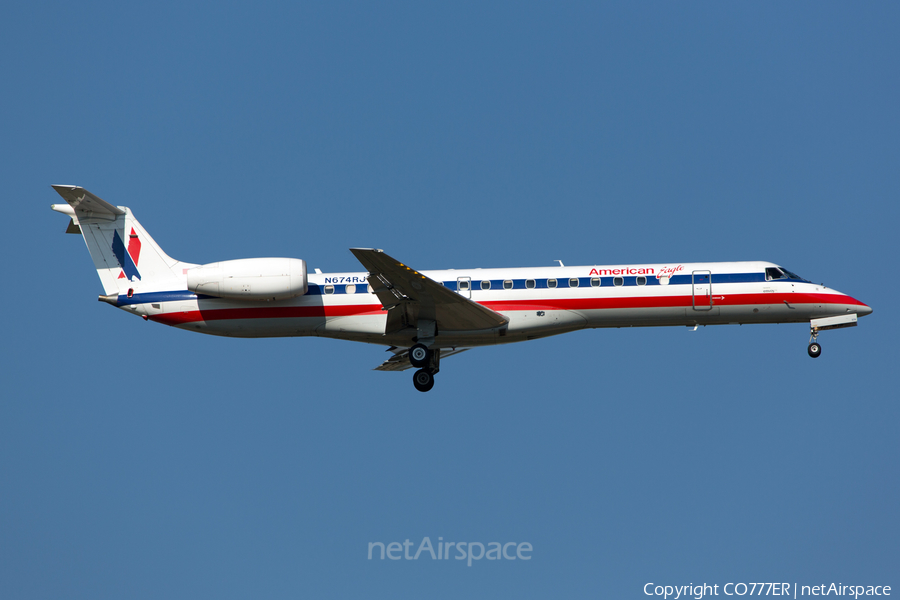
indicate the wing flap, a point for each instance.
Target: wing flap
{"x":400,"y":360}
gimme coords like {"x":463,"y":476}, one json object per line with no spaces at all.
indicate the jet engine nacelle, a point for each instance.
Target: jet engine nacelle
{"x":250,"y":279}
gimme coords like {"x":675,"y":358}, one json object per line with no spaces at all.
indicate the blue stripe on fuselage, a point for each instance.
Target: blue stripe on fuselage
{"x":496,"y":284}
{"x":149,"y":297}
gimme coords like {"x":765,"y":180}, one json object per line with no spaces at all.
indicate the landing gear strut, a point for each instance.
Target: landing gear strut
{"x":814,"y":349}
{"x":423,"y":379}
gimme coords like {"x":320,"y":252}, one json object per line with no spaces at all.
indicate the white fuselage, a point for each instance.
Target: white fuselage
{"x":424,"y":315}
{"x":538,"y":302}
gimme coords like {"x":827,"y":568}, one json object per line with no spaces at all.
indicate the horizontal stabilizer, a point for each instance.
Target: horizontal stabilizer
{"x":85,"y":202}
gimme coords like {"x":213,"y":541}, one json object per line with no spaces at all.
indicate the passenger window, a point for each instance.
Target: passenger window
{"x":507,"y":285}
{"x":551,"y":283}
{"x":529,"y":283}
{"x":463,"y":285}
{"x":485,"y":284}
{"x":351,"y":289}
{"x":641,"y":280}
{"x":618,"y":281}
{"x":369,"y":289}
{"x":573,"y":282}
{"x":595,"y":282}
{"x":329,"y":289}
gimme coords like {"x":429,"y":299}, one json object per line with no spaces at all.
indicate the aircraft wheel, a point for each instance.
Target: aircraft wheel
{"x":419,"y":355}
{"x":814,"y":350}
{"x":423,"y":380}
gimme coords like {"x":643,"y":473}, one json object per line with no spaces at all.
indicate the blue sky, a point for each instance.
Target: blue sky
{"x":141,"y":461}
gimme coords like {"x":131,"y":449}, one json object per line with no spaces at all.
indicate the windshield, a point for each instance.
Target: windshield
{"x":773,"y":273}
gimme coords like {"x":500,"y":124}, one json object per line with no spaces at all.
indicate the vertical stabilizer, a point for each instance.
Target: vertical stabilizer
{"x":124,"y":254}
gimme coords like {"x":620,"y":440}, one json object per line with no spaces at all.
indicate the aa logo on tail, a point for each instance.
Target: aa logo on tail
{"x":128,"y":259}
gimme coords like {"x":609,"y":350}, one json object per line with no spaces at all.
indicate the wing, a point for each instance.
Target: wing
{"x":400,"y":360}
{"x":408,"y":296}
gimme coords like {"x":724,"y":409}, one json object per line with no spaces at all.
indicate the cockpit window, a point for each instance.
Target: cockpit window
{"x":773,"y":273}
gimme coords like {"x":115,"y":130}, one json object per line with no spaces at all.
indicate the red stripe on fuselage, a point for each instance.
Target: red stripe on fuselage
{"x":668,"y":301}
{"x":274,"y":312}
{"x":344,"y":310}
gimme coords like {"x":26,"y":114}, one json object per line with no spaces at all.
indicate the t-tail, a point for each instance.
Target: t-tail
{"x":125,"y":256}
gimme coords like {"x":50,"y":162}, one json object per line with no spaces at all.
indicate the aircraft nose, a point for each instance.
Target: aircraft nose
{"x":860,"y":308}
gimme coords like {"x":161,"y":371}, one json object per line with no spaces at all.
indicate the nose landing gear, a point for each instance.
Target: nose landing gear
{"x":814,"y":349}
{"x":817,"y":325}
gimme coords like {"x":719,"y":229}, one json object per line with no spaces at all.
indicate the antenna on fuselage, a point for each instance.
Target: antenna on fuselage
{"x":560,"y":262}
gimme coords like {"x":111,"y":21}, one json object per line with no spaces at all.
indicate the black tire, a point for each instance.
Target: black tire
{"x":419,"y":356}
{"x":814,"y":350}
{"x":423,"y":380}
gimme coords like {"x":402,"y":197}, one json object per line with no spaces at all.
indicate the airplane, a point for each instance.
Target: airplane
{"x":424,"y":316}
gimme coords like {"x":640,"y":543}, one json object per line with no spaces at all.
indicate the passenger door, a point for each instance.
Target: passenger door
{"x":701,"y":289}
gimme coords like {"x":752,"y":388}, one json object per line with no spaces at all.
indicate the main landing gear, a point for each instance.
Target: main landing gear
{"x":419,"y":355}
{"x":423,"y":380}
{"x":428,"y":362}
